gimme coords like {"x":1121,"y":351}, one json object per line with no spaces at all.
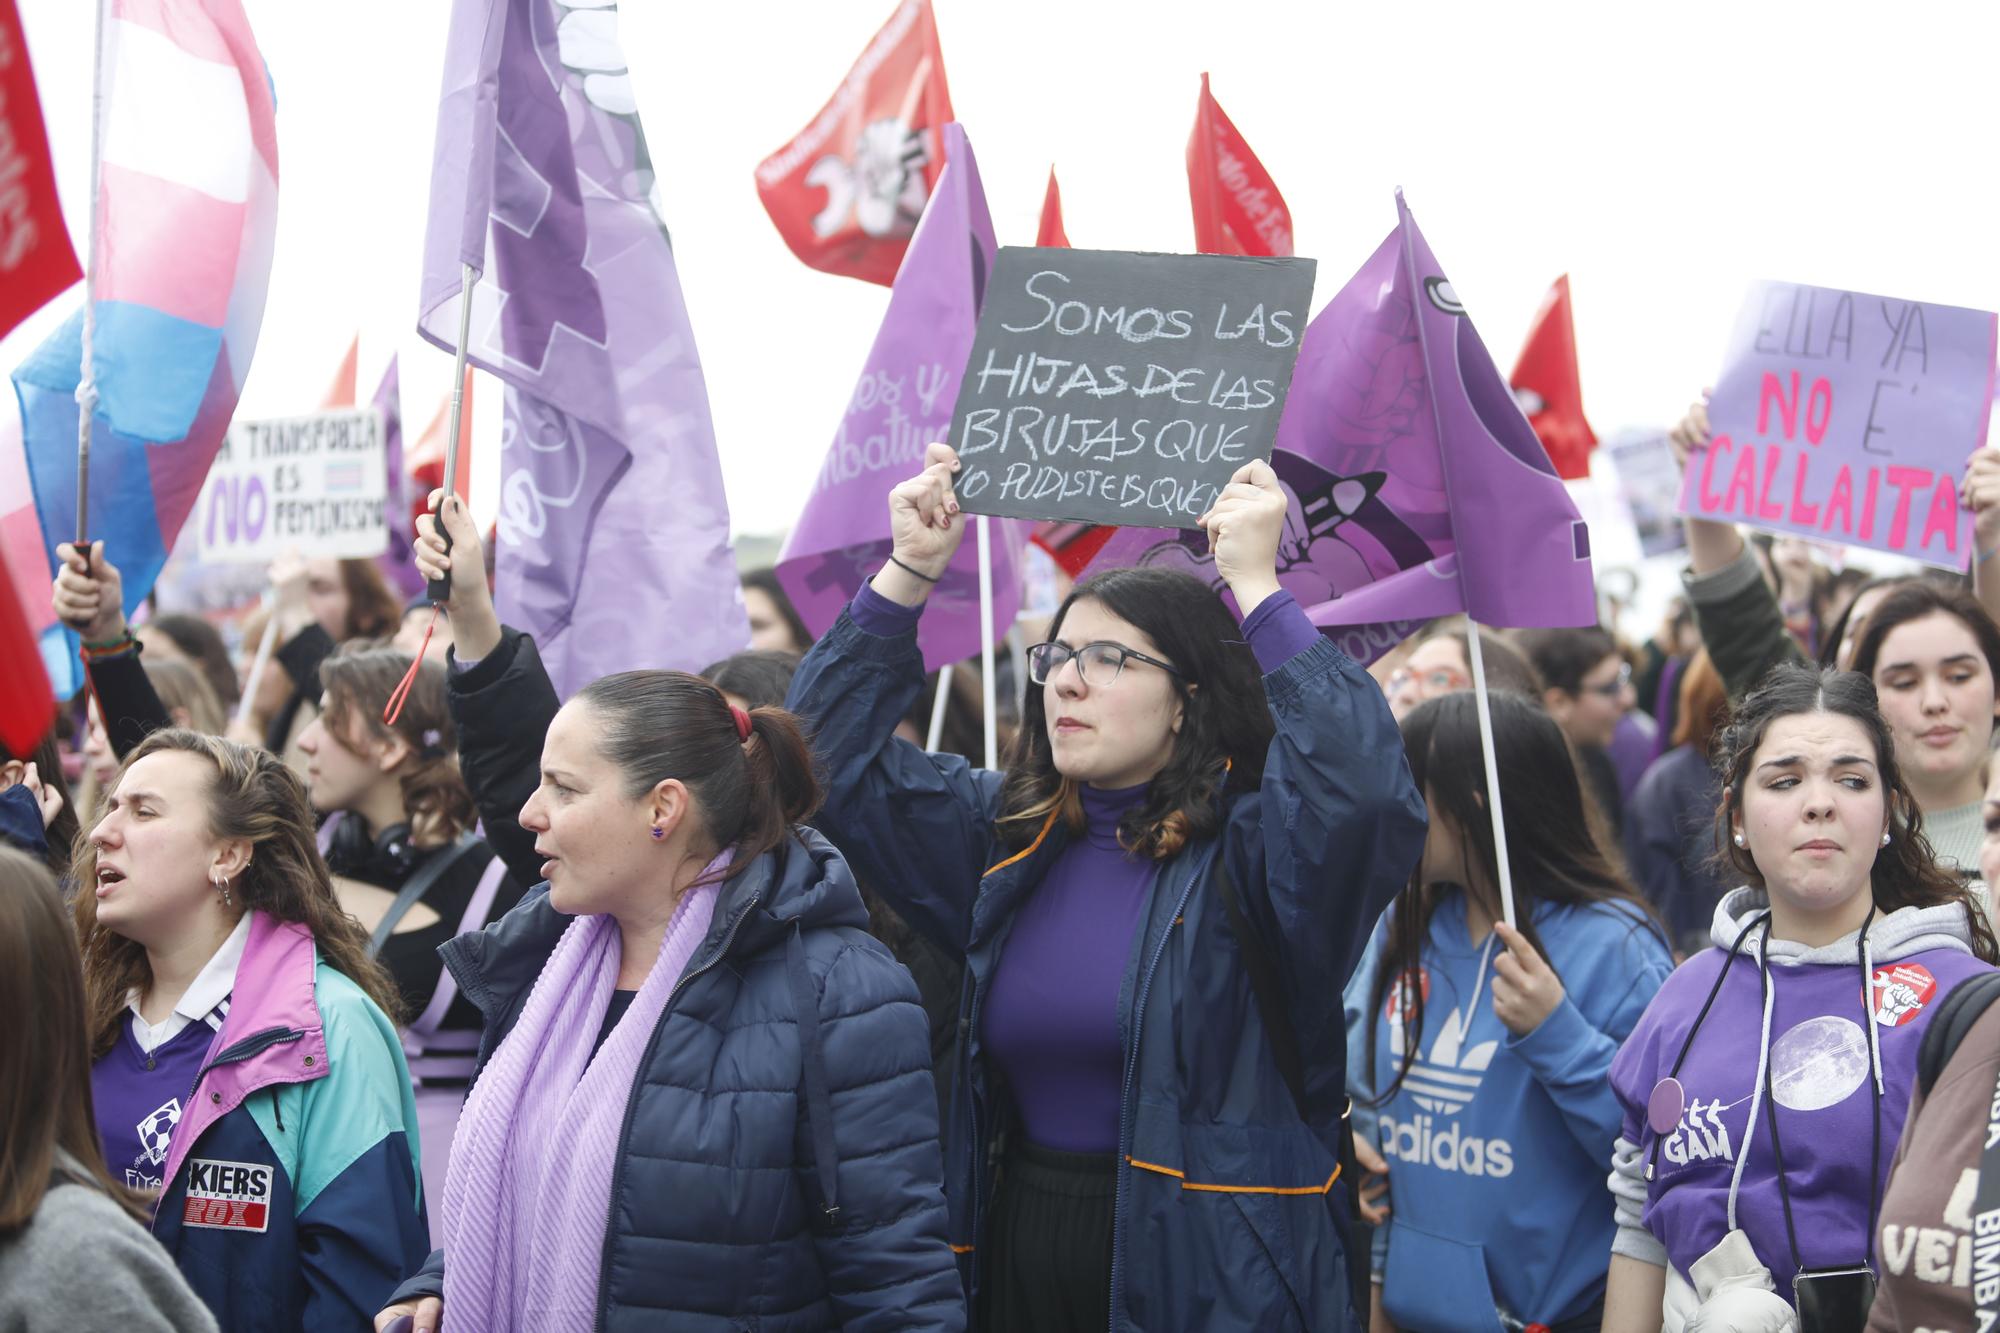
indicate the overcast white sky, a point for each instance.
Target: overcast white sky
{"x":1662,"y":155}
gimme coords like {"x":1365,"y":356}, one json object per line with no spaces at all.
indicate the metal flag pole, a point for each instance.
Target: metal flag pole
{"x":86,"y":384}
{"x":986,"y":640}
{"x":439,"y":590}
{"x":1492,"y":769}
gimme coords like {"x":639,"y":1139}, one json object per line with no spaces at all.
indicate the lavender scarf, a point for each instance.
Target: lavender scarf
{"x":529,"y":1184}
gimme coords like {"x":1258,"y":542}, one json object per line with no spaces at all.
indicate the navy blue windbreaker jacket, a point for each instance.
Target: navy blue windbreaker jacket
{"x":1227,"y":1216}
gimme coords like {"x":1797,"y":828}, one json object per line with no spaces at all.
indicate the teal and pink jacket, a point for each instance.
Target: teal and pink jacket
{"x":292,"y":1198}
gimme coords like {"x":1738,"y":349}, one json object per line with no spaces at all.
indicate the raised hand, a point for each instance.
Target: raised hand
{"x":1243,"y":527}
{"x":89,"y":594}
{"x":475,"y":626}
{"x":925,"y":526}
{"x":1526,"y":989}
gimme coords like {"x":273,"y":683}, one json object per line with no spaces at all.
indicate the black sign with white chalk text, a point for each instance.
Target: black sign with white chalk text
{"x":1119,"y":388}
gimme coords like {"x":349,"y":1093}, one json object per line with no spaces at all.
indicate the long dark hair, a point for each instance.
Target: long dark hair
{"x":1552,"y":845}
{"x":357,"y":680}
{"x":1906,"y":872}
{"x":45,"y":1100}
{"x":252,"y":796}
{"x":1225,"y":726}
{"x":372,"y":610}
{"x":656,"y":725}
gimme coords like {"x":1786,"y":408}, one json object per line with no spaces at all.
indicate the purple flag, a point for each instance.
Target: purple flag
{"x":614,"y":534}
{"x":1417,"y":488}
{"x":904,"y":401}
{"x":396,"y":563}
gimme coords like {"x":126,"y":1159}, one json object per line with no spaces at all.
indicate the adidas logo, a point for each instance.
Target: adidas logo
{"x":1449,"y":1077}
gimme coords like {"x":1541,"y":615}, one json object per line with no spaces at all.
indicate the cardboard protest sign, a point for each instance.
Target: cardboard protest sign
{"x":314,"y":484}
{"x":1648,"y":485}
{"x":1119,"y":388}
{"x":1848,"y":418}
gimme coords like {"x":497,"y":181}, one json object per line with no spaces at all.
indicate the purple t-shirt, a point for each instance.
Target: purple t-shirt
{"x":1051,"y":1015}
{"x":139,"y":1099}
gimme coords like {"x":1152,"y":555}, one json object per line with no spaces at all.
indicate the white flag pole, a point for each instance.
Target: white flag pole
{"x":260,"y":663}
{"x":1492,"y":769}
{"x":938,"y":706}
{"x":86,"y":385}
{"x":986,"y":640}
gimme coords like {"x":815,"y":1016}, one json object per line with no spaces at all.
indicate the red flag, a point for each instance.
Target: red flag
{"x":341,"y":392}
{"x":1546,"y":383}
{"x":425,"y":458}
{"x":36,"y":260}
{"x":1237,"y":207}
{"x":846,"y":192}
{"x":1051,"y":231}
{"x":27,"y":706}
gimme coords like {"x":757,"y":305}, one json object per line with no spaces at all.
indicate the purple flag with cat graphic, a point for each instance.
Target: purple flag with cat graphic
{"x":1417,"y":488}
{"x":903,"y":401}
{"x":613,"y":534}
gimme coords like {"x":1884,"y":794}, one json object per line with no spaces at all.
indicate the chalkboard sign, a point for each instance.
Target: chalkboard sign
{"x":1119,"y":388}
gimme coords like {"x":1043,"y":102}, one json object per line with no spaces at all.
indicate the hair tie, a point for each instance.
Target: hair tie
{"x":742,"y":722}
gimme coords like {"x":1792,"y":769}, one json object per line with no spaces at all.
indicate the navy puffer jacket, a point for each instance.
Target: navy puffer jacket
{"x":778,"y":1168}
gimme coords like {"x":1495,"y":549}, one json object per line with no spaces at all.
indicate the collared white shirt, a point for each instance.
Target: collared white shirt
{"x":206,"y":1000}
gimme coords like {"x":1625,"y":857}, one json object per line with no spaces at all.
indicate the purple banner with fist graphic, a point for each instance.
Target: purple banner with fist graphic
{"x":1848,"y":418}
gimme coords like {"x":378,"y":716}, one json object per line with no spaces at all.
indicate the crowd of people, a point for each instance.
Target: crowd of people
{"x":375,"y":985}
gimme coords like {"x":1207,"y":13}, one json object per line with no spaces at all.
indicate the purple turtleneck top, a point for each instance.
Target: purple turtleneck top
{"x":1051,"y":1016}
{"x":1050,"y":1020}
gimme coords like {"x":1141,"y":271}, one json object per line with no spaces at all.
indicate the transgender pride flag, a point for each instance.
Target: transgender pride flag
{"x":186,"y":213}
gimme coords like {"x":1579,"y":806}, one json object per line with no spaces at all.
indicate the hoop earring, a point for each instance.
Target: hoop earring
{"x":221,"y":883}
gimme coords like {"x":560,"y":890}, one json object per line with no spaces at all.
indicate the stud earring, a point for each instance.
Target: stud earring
{"x":658,"y":833}
{"x":1741,"y":840}
{"x":1885,"y":838}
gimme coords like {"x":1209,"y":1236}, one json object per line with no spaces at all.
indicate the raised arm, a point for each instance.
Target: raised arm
{"x":1741,"y":623}
{"x":89,"y":598}
{"x":499,"y":693}
{"x":1338,"y":823}
{"x":916,"y":826}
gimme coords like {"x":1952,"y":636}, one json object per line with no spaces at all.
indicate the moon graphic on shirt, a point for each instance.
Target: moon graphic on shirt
{"x":1819,"y":1063}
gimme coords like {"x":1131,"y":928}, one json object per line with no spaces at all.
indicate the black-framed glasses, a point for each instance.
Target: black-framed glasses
{"x":1098,"y":663}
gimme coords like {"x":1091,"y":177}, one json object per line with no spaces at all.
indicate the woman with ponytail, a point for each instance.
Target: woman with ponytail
{"x":397,"y":835}
{"x":1157,"y":902}
{"x":704,"y":1092}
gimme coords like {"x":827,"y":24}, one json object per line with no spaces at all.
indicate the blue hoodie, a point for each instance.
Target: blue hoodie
{"x":1496,"y":1144}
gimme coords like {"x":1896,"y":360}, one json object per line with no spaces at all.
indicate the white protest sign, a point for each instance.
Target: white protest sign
{"x":315,"y":484}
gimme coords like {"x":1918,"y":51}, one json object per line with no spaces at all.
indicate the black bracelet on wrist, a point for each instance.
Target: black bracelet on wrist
{"x":927,"y":578}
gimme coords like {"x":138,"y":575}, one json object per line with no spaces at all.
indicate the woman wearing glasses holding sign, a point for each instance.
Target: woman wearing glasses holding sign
{"x":1157,"y":903}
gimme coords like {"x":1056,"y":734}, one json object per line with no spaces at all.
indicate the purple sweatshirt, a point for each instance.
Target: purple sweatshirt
{"x":1820,"y":1070}
{"x":1051,"y":1017}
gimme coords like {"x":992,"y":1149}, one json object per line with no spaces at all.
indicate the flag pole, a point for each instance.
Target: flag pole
{"x":1478,"y":661}
{"x":86,"y":384}
{"x":938,"y":706}
{"x":986,"y":639}
{"x":259,"y":663}
{"x":439,"y":590}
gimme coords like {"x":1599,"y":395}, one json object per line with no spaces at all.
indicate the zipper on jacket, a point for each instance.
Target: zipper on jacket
{"x":1121,"y":1171}
{"x":632,"y":1104}
{"x":241,"y":1051}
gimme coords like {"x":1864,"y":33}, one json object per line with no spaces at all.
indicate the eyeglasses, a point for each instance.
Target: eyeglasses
{"x":1098,"y":663}
{"x":1611,"y":689}
{"x":1442,"y":680}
